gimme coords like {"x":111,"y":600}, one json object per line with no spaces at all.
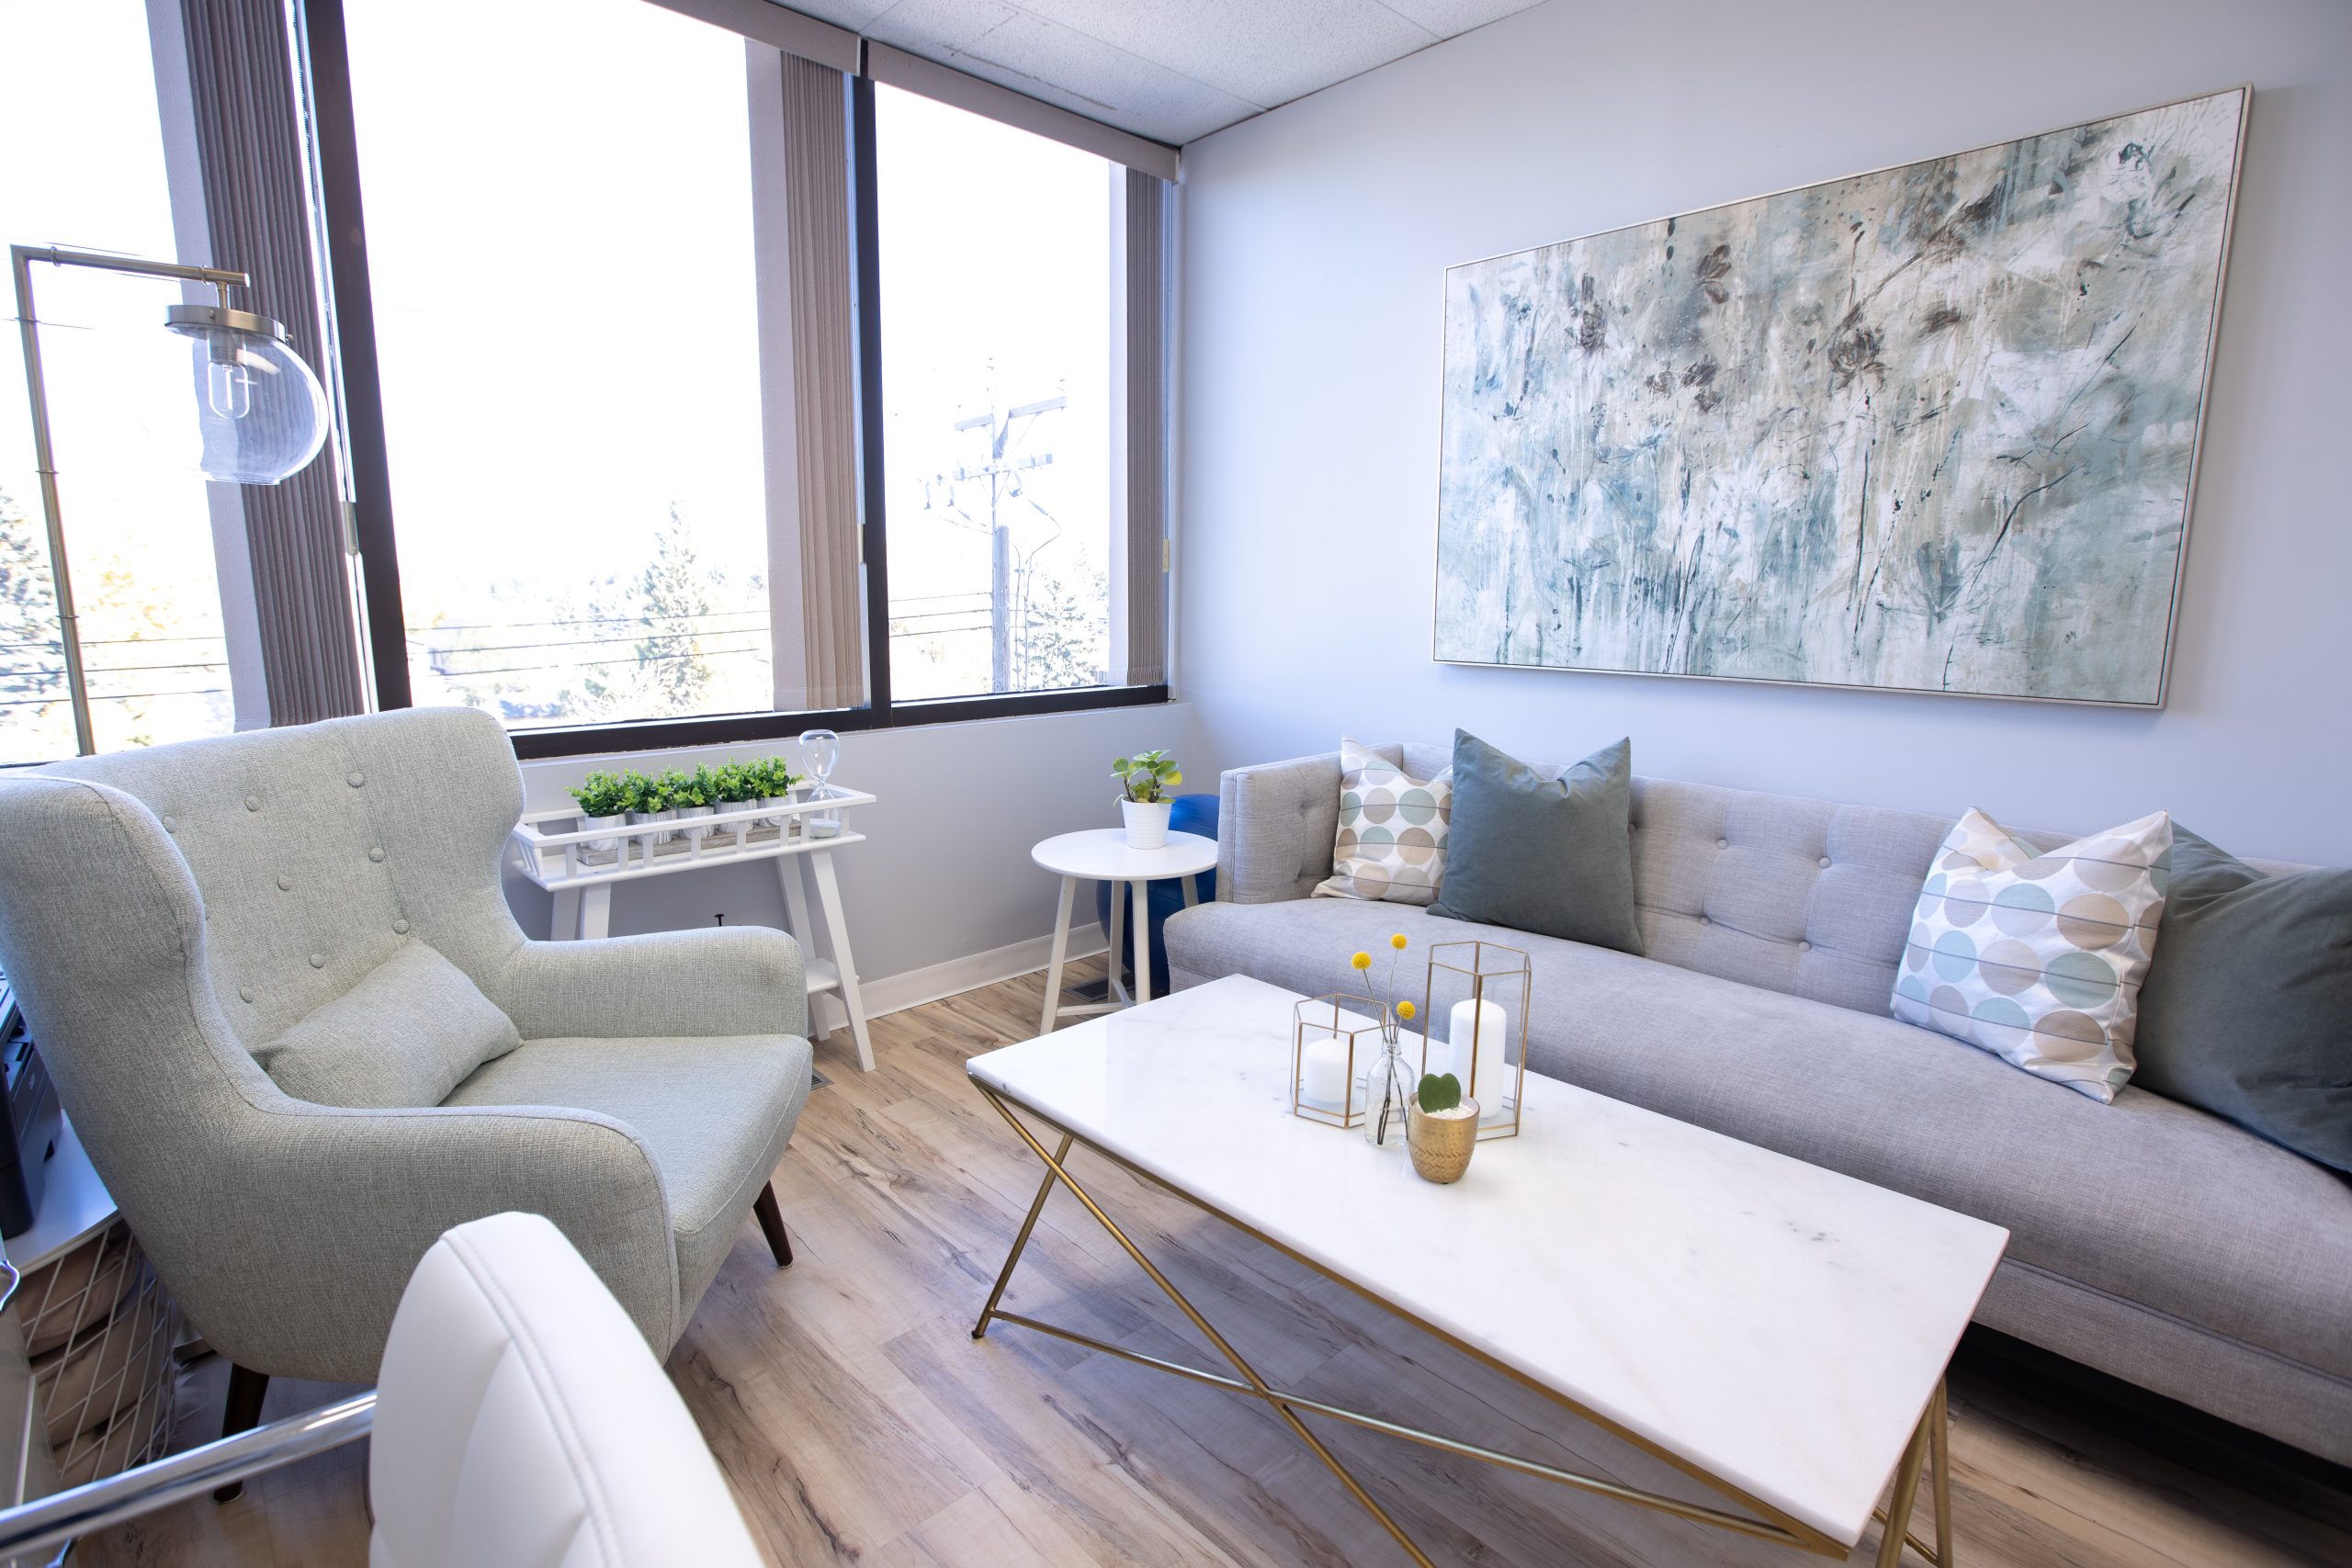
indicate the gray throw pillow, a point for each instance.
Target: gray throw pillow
{"x":406,"y":1035}
{"x":1554,"y":856}
{"x":2246,"y":1011}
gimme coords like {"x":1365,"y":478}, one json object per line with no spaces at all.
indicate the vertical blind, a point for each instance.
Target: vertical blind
{"x":257,"y":201}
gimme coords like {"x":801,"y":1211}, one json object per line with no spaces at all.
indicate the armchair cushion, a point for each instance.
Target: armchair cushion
{"x":406,"y":1035}
{"x":713,"y":1111}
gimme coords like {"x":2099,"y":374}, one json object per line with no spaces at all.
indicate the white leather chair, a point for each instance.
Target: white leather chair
{"x":521,"y":1419}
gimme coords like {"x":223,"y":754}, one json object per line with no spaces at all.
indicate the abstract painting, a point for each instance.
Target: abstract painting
{"x":1933,"y":428}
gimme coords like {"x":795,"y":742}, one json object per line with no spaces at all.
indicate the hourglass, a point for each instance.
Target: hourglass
{"x":820,"y":749}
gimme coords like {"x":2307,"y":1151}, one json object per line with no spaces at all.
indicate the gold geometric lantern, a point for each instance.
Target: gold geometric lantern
{"x":1473,"y":1025}
{"x":1334,"y":1039}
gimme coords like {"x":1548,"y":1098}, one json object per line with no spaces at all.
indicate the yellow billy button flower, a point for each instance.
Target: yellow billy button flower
{"x":1406,"y":1011}
{"x":1398,"y":942}
{"x":1362,"y":961}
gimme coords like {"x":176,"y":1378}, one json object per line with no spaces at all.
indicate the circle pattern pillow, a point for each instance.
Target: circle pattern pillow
{"x":1391,"y":844}
{"x":2038,"y":958}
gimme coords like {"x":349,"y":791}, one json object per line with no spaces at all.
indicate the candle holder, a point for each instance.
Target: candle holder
{"x":1475,"y":982}
{"x":1327,"y":1035}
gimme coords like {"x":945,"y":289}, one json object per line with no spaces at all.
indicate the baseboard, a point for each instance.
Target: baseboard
{"x":896,"y":993}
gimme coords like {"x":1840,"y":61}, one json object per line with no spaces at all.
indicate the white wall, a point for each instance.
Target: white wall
{"x":945,"y":875}
{"x":1314,"y":239}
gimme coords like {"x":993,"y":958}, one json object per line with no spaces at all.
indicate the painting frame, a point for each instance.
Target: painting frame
{"x":2212,"y":316}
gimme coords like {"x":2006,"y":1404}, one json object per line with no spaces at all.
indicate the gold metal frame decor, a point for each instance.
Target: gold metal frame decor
{"x":1497,"y":974}
{"x":1350,"y":1028}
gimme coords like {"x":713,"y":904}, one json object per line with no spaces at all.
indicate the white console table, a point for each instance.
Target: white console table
{"x":567,"y":862}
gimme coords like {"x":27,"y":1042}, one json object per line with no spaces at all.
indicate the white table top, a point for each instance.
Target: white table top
{"x":1778,"y":1325}
{"x":1102,"y":855}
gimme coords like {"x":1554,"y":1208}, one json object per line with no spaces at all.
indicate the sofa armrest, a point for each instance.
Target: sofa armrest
{"x":335,"y":1207}
{"x":729,"y":980}
{"x":1277,"y":822}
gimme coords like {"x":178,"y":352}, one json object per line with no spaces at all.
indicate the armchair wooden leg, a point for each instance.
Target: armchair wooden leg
{"x":246,"y":1388}
{"x":772,"y":1225}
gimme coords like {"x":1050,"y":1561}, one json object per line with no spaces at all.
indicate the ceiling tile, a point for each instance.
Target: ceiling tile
{"x":1448,"y":18}
{"x":1047,"y":61}
{"x":1265,"y":51}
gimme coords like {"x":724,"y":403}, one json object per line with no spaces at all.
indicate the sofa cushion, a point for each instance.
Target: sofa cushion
{"x":406,"y":1035}
{"x":2248,"y":1007}
{"x":1541,"y":854}
{"x":715,"y":1112}
{"x":1391,"y":844}
{"x":2145,"y":1200}
{"x":2037,"y":958}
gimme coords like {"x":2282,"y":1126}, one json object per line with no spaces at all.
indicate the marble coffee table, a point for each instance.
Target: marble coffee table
{"x":1774,"y":1330}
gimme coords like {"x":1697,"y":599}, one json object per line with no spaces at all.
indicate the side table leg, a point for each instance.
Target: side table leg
{"x":565,"y":924}
{"x":1061,"y":952}
{"x":1142,"y":891}
{"x":1118,"y":940}
{"x":596,"y":913}
{"x":828,"y":899}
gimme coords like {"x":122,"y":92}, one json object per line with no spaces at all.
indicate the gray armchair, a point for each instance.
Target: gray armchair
{"x":163,"y":913}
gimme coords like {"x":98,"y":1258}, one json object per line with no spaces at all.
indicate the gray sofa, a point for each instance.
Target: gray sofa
{"x":2148,"y":1239}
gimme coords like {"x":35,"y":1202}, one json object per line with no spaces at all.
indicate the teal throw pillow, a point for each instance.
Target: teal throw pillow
{"x":2246,"y":1011}
{"x":1553,"y":856}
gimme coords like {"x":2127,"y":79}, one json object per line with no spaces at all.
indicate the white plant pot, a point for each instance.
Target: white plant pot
{"x":653,"y":819}
{"x":1147,"y":822}
{"x":772,"y":810}
{"x":694,"y":821}
{"x":596,"y":824}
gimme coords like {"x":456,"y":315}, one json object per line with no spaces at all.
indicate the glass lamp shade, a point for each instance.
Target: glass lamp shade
{"x":262,"y":412}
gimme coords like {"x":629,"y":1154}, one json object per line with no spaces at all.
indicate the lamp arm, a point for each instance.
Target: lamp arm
{"x":21,"y":259}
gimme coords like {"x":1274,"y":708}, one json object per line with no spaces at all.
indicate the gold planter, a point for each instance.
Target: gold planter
{"x":1441,"y":1145}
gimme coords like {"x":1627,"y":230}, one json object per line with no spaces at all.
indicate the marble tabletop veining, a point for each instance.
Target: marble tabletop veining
{"x":1776,"y":1325}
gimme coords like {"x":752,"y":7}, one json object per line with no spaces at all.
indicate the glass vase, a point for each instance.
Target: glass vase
{"x":1386,"y":1091}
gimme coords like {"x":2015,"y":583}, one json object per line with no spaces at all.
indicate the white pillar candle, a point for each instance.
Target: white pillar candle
{"x":1323,"y":1074}
{"x":1488,"y":1026}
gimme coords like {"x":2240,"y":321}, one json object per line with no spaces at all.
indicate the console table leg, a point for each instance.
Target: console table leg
{"x":564,"y":924}
{"x":595,"y":913}
{"x":789,"y":874}
{"x":1061,"y":952}
{"x":1142,"y":891}
{"x":828,"y":899}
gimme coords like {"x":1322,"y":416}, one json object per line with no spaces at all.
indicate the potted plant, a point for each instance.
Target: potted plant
{"x":1441,"y":1128}
{"x":773,"y":785}
{"x":649,"y":802}
{"x":1145,"y":780}
{"x":697,"y":795}
{"x":602,"y":799}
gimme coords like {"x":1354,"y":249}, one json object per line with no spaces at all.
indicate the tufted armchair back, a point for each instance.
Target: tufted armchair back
{"x":319,"y":850}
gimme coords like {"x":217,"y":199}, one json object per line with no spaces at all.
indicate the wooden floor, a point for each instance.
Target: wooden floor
{"x":861,"y":1423}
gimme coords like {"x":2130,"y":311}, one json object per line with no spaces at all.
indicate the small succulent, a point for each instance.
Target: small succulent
{"x":678,"y":787}
{"x":1439,"y":1091}
{"x":602,"y":793}
{"x":1146,"y":776}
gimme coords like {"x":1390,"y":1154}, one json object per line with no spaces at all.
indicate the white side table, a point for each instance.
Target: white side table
{"x":1102,"y":854}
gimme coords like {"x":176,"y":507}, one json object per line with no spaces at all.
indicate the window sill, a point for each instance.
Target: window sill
{"x":655,"y":735}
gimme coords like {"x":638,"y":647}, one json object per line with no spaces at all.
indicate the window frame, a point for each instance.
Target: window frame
{"x":326,"y":51}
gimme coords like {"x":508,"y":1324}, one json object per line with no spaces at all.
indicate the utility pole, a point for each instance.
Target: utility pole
{"x":999,"y":471}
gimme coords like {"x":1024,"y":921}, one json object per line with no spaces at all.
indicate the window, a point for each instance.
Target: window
{"x":139,"y":531}
{"x":714,"y":389}
{"x":996,"y":289}
{"x":560,"y":251}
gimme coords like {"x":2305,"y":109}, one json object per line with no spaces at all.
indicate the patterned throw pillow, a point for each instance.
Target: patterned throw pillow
{"x":1391,"y":831}
{"x":2038,"y":958}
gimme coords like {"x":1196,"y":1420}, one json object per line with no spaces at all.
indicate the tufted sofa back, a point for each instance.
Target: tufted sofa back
{"x":1811,"y":897}
{"x":319,"y":850}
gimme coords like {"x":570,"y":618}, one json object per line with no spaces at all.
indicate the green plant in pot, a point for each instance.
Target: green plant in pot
{"x":1145,"y":780}
{"x":697,"y":795}
{"x":772,"y":779}
{"x":1441,"y":1128}
{"x":602,"y":799}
